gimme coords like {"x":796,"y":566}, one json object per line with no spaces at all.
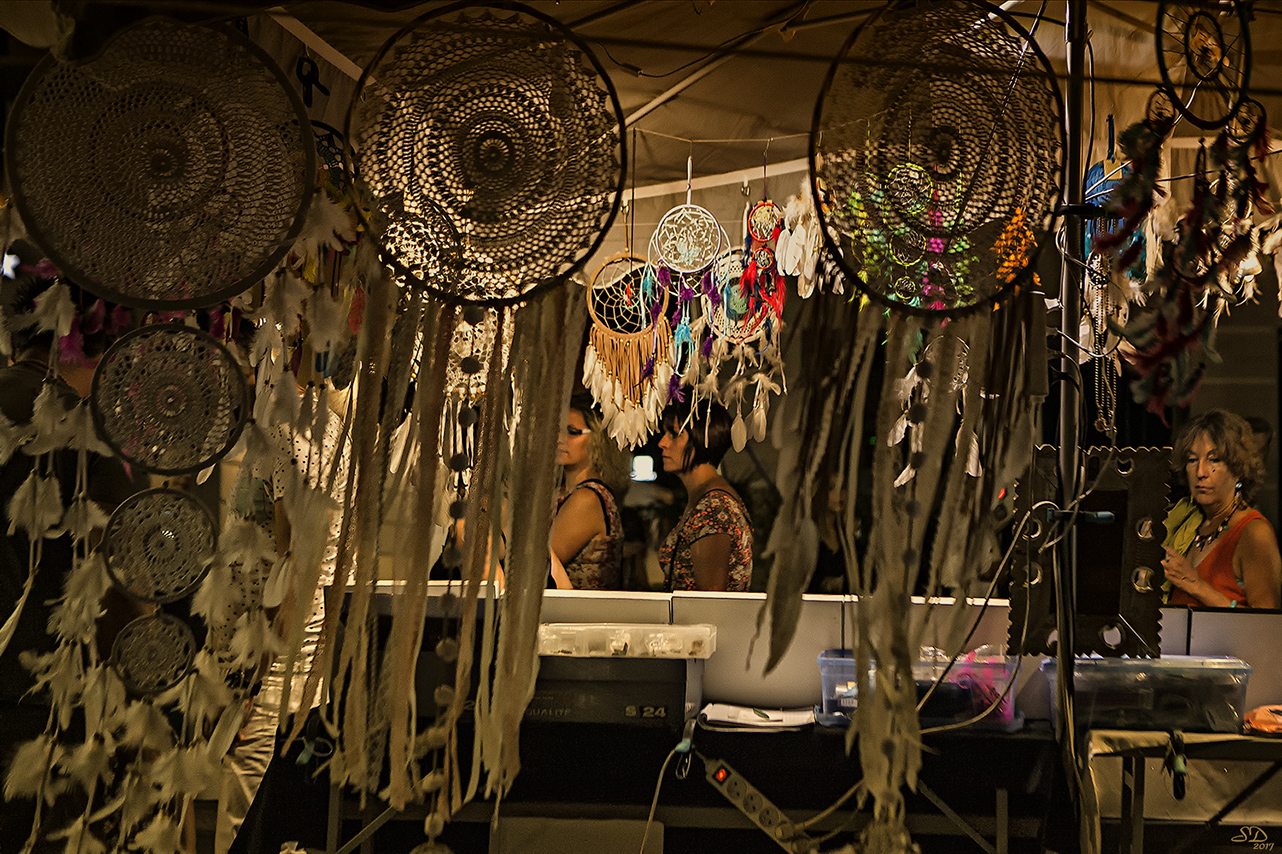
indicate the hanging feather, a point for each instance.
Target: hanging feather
{"x":26,"y":775}
{"x":145,"y":728}
{"x":90,"y":762}
{"x":162,"y":835}
{"x":36,"y":507}
{"x":80,"y":839}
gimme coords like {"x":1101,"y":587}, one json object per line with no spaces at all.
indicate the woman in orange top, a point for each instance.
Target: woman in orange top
{"x":1220,"y":552}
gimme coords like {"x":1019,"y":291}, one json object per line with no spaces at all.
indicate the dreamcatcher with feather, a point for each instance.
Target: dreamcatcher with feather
{"x":628,"y":364}
{"x":936,"y":169}
{"x":488,"y":142}
{"x":1205,"y":57}
{"x":170,"y":171}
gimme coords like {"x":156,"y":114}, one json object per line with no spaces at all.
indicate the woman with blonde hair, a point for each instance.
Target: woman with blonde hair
{"x":587,"y":533}
{"x":1220,"y":552}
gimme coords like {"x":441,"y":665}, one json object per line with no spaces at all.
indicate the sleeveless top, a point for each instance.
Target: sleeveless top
{"x":717,"y":512}
{"x":599,"y":564}
{"x":1216,"y":566}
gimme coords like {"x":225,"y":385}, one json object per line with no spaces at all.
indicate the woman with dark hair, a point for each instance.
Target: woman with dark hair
{"x":1219,"y":551}
{"x":587,"y":532}
{"x":711,"y":546}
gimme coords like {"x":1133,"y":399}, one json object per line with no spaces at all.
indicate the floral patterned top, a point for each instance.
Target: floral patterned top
{"x":717,"y":512}
{"x":599,"y":564}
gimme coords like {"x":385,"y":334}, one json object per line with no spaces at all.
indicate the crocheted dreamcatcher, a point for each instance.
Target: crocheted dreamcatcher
{"x":153,"y":653}
{"x":627,"y":364}
{"x":491,"y":145}
{"x":169,"y":399}
{"x":158,"y":545}
{"x":1204,"y":54}
{"x":943,"y":155}
{"x":172,"y":170}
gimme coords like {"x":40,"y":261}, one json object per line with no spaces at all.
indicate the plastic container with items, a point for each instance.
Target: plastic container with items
{"x":1183,"y":692}
{"x":977,"y":688}
{"x":627,"y":640}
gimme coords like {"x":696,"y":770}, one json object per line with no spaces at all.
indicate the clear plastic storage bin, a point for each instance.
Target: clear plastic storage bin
{"x":1182,"y":692}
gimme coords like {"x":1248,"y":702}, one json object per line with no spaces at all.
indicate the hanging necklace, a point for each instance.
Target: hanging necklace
{"x":1201,"y":541}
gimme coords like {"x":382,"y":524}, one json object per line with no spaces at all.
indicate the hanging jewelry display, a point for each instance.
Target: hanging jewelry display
{"x":492,"y":148}
{"x":169,"y":399}
{"x":158,"y":545}
{"x":627,"y":364}
{"x":1204,"y":55}
{"x":171,"y":170}
{"x":932,"y":153}
{"x":153,"y":654}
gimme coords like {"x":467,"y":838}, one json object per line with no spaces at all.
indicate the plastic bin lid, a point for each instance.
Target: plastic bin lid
{"x":1166,"y":662}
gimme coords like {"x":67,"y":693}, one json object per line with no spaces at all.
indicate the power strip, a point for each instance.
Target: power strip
{"x":757,"y":807}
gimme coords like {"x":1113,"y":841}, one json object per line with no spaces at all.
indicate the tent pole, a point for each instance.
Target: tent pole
{"x":1069,"y":428}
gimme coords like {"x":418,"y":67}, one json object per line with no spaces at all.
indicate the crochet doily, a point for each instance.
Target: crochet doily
{"x":939,"y":141}
{"x":169,"y":399}
{"x":172,"y":170}
{"x":153,"y":653}
{"x":158,"y":544}
{"x":491,"y":147}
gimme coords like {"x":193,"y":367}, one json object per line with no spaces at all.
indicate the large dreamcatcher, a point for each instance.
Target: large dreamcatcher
{"x":936,"y":162}
{"x":627,"y":364}
{"x":490,"y":143}
{"x":171,"y":170}
{"x":942,"y":157}
{"x":486,"y":147}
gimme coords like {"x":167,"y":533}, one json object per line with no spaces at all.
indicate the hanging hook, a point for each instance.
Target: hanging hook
{"x":689,"y":172}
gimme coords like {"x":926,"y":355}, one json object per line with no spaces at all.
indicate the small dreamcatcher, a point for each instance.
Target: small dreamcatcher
{"x":171,"y":170}
{"x":158,"y":545}
{"x":491,"y":145}
{"x":153,"y":653}
{"x":169,"y":399}
{"x":1204,"y":54}
{"x":743,"y":328}
{"x":627,"y":365}
{"x":936,"y":153}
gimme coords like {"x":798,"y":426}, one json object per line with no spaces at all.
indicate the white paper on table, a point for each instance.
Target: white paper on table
{"x":724,"y":714}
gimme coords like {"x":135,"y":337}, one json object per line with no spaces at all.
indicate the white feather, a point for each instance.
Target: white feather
{"x":54,"y":311}
{"x":80,"y":840}
{"x":36,"y":506}
{"x":27,"y":771}
{"x":11,"y":435}
{"x":145,"y":727}
{"x":88,"y":762}
{"x":49,"y":428}
{"x":161,"y":836}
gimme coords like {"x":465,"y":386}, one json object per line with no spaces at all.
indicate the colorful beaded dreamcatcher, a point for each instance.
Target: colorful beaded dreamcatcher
{"x":937,"y":156}
{"x":627,"y":365}
{"x":171,"y":170}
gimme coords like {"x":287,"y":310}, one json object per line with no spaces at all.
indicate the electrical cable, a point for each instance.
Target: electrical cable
{"x":658,"y":785}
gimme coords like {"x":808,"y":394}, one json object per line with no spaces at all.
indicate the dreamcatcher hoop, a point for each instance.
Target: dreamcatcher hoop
{"x":158,"y":545}
{"x":169,"y":399}
{"x":953,"y":82}
{"x":687,"y":239}
{"x":154,"y":653}
{"x":171,"y":171}
{"x":1214,"y":50}
{"x":502,"y":136}
{"x":733,"y":323}
{"x":606,"y":278}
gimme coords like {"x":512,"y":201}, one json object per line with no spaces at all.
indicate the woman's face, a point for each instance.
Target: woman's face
{"x":673,"y":444}
{"x":572,"y":449}
{"x":1211,"y":483}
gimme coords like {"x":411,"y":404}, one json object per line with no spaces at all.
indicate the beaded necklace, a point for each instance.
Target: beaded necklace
{"x":1201,"y":541}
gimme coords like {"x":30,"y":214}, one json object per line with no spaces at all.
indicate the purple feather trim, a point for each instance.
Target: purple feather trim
{"x":655,"y":310}
{"x":648,"y":370}
{"x":707,"y":346}
{"x":675,"y":392}
{"x":93,"y":322}
{"x":665,"y":276}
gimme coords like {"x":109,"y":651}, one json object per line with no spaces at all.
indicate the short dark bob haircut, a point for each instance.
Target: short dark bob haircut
{"x":1231,"y":435}
{"x":708,"y":428}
